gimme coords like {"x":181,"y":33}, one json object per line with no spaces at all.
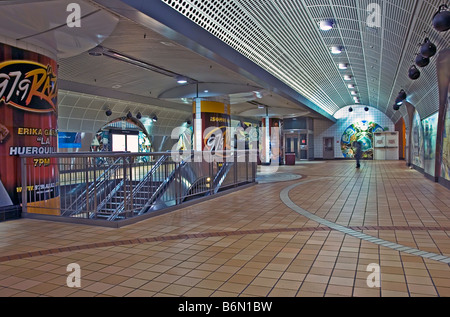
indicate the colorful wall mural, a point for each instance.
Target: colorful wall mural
{"x":429,"y":126}
{"x":362,"y":132}
{"x":445,"y":167}
{"x":417,"y":142}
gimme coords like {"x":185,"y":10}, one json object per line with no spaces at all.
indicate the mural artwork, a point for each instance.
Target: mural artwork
{"x":362,"y":132}
{"x":417,"y":146}
{"x":429,"y":136}
{"x":445,"y":168}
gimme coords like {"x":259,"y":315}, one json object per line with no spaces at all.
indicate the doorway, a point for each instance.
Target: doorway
{"x":328,"y":148}
{"x":297,"y":143}
{"x":292,"y":145}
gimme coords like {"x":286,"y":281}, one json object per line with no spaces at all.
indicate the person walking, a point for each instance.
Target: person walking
{"x":358,"y":153}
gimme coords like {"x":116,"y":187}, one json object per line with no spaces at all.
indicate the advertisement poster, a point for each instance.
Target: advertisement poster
{"x":215,"y":139}
{"x":28,"y":125}
{"x":69,"y":140}
{"x":429,"y":140}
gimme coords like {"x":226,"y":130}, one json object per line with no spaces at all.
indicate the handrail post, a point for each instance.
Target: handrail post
{"x":86,"y":175}
{"x":235,"y":169}
{"x":95,"y":191}
{"x":125,"y":195}
{"x":131,"y":206}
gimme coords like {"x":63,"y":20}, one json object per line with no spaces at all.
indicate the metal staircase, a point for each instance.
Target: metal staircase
{"x":130,"y":187}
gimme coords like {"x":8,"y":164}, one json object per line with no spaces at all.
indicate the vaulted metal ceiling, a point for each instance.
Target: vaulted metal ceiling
{"x":283,"y":37}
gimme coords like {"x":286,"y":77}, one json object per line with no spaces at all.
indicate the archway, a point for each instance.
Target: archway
{"x":122,"y":134}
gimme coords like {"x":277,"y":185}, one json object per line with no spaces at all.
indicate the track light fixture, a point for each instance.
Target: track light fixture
{"x":350,"y":109}
{"x":413,"y":72}
{"x":428,"y":49}
{"x":366,"y":109}
{"x":129,"y":115}
{"x":154,"y":118}
{"x":441,"y":20}
{"x":139,"y":116}
{"x":103,"y":51}
{"x":401,"y":97}
{"x":108,"y":112}
{"x":422,"y":61}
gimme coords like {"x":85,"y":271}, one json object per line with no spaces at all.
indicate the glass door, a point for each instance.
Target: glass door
{"x":292,"y":145}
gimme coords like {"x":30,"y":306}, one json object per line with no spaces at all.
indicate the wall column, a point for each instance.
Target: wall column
{"x":28,"y":125}
{"x":212,"y":119}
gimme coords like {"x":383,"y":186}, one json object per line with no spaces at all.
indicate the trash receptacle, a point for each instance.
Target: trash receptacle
{"x":290,"y":158}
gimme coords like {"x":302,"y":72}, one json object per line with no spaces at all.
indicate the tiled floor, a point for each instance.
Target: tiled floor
{"x":253,"y":243}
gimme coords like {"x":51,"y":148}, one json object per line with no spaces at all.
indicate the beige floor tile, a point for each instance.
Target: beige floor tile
{"x":277,"y":263}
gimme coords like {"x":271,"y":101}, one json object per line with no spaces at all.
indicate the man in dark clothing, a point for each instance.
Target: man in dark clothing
{"x":358,"y":153}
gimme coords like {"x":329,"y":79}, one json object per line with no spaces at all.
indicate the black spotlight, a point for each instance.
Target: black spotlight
{"x":155,"y":118}
{"x":413,"y":72}
{"x":422,"y":61}
{"x":139,"y":116}
{"x":401,"y":97}
{"x":441,"y":20}
{"x":366,"y":109}
{"x":350,"y":109}
{"x":189,"y":122}
{"x":108,"y":112}
{"x":428,"y":49}
{"x":129,"y":115}
{"x":396,"y":107}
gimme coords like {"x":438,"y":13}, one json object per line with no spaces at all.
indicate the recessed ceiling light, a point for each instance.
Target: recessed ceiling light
{"x":326,"y":25}
{"x":182,"y":80}
{"x":354,"y":93}
{"x":343,"y":66}
{"x":336,"y":50}
{"x":351,"y":86}
{"x":347,"y":77}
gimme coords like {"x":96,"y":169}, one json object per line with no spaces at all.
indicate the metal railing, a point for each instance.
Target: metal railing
{"x":115,"y":186}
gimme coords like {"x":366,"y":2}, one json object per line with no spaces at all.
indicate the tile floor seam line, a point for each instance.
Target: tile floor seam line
{"x":426,"y":196}
{"x":424,"y":263}
{"x":356,"y":269}
{"x":312,"y":233}
{"x":274,"y":238}
{"x":284,"y":196}
{"x":334,"y":266}
{"x":359,"y":195}
{"x":309,"y":270}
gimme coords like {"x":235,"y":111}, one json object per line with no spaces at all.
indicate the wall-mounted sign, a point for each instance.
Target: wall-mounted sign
{"x":28,"y":85}
{"x":69,"y":140}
